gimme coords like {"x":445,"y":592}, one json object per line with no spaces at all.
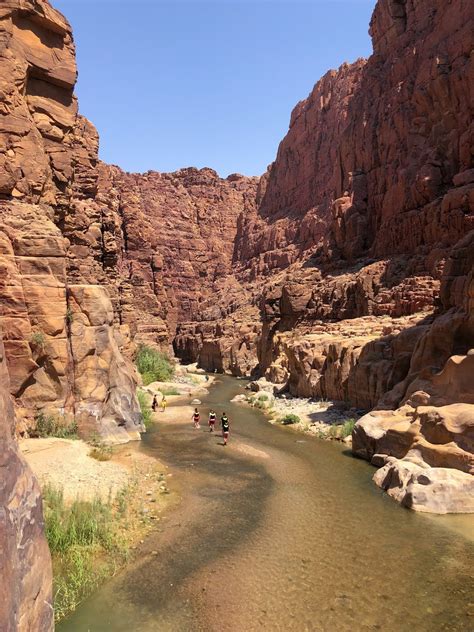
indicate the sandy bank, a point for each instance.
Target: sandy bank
{"x":325,"y":419}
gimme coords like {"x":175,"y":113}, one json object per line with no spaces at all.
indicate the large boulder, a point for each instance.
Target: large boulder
{"x":25,"y":570}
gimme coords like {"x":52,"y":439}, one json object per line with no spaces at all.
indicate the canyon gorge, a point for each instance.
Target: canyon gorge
{"x":345,"y":272}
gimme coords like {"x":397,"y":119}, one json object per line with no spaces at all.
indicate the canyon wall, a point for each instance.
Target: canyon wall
{"x":357,"y":219}
{"x":356,"y":263}
{"x":62,"y":340}
{"x":26,"y":574}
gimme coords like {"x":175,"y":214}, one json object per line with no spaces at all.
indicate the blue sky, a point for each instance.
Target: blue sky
{"x":193,"y":83}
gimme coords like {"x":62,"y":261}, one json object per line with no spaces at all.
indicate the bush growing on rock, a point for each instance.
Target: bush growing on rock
{"x":38,"y":339}
{"x":290,"y":419}
{"x":153,"y":365}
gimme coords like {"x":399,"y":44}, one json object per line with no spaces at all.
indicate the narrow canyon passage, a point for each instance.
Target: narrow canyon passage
{"x":280,"y":531}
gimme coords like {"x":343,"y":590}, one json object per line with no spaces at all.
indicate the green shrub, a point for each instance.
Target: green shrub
{"x":51,"y":426}
{"x":69,"y":315}
{"x":347,"y":427}
{"x":196,"y":379}
{"x":38,"y":339}
{"x":290,"y":419}
{"x":153,"y":365}
{"x":169,"y":391}
{"x":334,"y":432}
{"x":145,"y":408}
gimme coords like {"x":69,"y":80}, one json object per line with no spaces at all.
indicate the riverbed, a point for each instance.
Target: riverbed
{"x":282,"y":531}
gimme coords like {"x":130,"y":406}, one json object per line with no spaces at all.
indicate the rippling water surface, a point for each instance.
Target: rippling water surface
{"x":279,"y":531}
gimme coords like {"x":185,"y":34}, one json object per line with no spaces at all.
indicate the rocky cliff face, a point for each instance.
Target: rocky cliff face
{"x":176,"y":241}
{"x":26,"y":576}
{"x":62,"y":339}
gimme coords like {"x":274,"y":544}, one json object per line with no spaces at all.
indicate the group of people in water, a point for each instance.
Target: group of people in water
{"x":197,"y":417}
{"x":225,"y":425}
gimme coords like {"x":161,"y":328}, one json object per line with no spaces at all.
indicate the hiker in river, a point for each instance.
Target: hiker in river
{"x":212,"y":420}
{"x":164,"y":404}
{"x":154,"y":404}
{"x":225,"y":427}
{"x":196,"y":418}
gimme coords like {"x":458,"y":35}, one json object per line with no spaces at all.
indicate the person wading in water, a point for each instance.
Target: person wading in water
{"x":196,"y":418}
{"x":212,"y":420}
{"x":154,"y":404}
{"x":164,"y":404}
{"x":225,"y":427}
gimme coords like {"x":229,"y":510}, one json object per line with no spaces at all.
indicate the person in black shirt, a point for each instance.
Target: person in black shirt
{"x":225,"y":427}
{"x":212,"y":420}
{"x":196,"y":418}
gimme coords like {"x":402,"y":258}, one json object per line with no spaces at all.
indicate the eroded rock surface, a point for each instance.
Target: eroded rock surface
{"x":62,"y":337}
{"x":25,"y":572}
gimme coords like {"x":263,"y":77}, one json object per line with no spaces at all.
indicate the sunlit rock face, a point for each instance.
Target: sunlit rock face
{"x":62,"y":343}
{"x":25,"y":571}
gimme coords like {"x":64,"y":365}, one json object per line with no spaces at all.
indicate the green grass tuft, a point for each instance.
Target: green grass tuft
{"x":334,"y":432}
{"x":84,"y":544}
{"x":347,"y":427}
{"x":290,"y":419}
{"x":101,"y":452}
{"x":144,"y":401}
{"x":169,"y":391}
{"x":153,"y":365}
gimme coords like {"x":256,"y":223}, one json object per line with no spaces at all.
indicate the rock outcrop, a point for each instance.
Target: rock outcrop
{"x":62,"y":337}
{"x":25,"y":574}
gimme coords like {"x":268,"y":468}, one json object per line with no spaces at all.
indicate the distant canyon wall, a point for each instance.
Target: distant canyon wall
{"x":349,"y":252}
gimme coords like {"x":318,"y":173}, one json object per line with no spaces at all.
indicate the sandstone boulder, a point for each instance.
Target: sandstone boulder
{"x":428,"y":489}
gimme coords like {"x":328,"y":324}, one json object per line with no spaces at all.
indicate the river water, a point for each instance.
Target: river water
{"x":281,"y":531}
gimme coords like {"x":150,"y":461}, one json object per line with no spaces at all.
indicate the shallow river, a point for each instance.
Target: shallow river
{"x":280,"y":531}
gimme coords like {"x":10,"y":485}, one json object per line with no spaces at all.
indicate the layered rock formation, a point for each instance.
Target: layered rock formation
{"x":62,"y":338}
{"x":26,"y":575}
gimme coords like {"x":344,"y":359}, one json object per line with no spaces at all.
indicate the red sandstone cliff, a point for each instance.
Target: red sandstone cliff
{"x":61,"y":336}
{"x":356,"y":265}
{"x":371,"y":190}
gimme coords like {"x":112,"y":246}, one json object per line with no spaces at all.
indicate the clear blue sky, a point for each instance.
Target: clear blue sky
{"x":192,"y":83}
